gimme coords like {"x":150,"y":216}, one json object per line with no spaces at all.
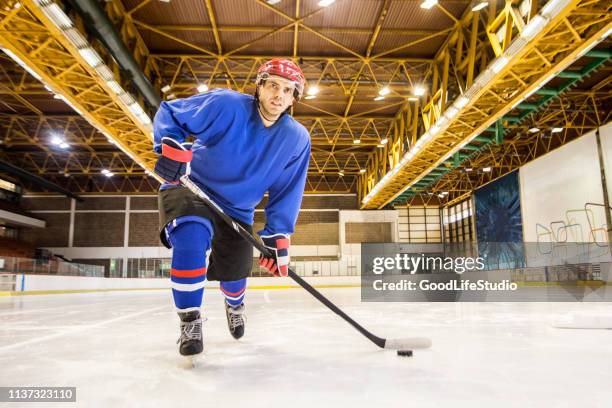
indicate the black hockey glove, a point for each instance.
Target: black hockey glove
{"x":173,"y":162}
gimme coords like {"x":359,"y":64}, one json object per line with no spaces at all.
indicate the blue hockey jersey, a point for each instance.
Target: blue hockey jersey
{"x":236,"y":159}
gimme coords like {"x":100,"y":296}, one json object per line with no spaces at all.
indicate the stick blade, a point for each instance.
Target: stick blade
{"x":408,"y":343}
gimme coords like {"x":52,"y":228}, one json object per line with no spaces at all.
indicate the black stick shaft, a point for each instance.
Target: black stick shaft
{"x":261,"y":248}
{"x":374,"y":339}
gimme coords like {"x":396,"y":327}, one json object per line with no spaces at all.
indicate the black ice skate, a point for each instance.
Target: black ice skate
{"x":190,"y":342}
{"x":235,"y":320}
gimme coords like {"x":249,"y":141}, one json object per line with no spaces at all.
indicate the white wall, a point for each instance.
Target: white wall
{"x":564,"y":180}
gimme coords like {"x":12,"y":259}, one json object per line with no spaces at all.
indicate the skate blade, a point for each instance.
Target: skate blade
{"x":190,"y":362}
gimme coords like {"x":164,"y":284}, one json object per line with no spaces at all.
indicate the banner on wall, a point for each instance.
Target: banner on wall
{"x":499,"y":226}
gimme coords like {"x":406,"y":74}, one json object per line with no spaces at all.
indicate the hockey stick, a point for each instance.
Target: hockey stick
{"x":394,"y":344}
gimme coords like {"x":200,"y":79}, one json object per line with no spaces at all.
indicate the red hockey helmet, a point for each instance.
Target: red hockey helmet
{"x":283,"y":68}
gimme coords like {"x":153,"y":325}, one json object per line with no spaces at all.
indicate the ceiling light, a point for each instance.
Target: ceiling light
{"x":90,"y":56}
{"x":109,"y":174}
{"x":55,"y":13}
{"x":499,"y":64}
{"x":64,"y":145}
{"x":380,"y":146}
{"x":451,"y":112}
{"x":468,"y":169}
{"x":325,"y":3}
{"x":309,"y":97}
{"x":273,"y":1}
{"x":379,"y":98}
{"x":114,"y":86}
{"x":356,"y":141}
{"x":535,"y":25}
{"x":442,"y":121}
{"x":105,"y":73}
{"x":56,"y":140}
{"x":202,"y":88}
{"x":557,"y":130}
{"x":441,"y":195}
{"x":418,"y":90}
{"x":341,"y":173}
{"x":126,"y":98}
{"x":144,"y":119}
{"x":427,"y":4}
{"x":445,"y":193}
{"x":136,"y":109}
{"x":384,"y":141}
{"x":362,"y":171}
{"x":165,"y":88}
{"x":534,"y":130}
{"x":75,"y":36}
{"x":486,"y":169}
{"x":480,"y":6}
{"x":413,"y":98}
{"x":384,"y":91}
{"x":312,"y":90}
{"x":105,"y":171}
{"x":461,"y":102}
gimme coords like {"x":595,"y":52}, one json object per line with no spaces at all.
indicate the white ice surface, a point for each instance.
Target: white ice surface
{"x":119,"y":350}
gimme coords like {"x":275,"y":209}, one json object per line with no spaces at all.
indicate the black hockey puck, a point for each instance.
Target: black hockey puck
{"x":404,"y":353}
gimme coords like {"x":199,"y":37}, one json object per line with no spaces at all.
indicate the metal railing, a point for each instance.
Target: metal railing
{"x":160,"y":267}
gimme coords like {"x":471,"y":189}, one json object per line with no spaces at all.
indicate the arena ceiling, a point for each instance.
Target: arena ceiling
{"x":409,"y":98}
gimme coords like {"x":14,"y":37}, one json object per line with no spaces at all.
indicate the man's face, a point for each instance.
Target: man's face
{"x":276,"y":95}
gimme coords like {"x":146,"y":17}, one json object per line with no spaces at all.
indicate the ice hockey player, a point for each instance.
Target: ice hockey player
{"x":243,"y":146}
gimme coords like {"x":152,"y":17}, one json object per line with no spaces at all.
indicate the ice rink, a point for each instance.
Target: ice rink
{"x":118,"y":349}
